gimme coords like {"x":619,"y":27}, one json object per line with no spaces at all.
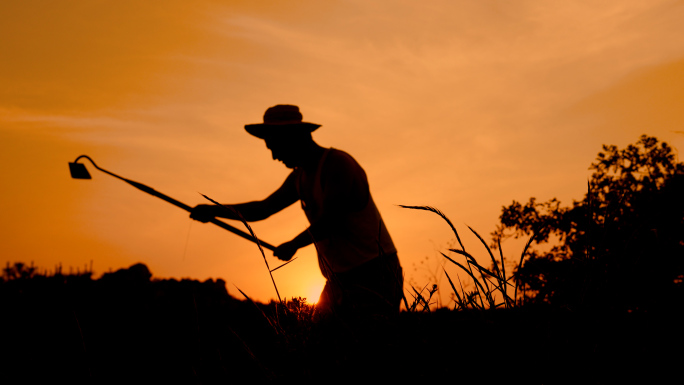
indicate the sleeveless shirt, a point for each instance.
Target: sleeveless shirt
{"x":358,"y":236}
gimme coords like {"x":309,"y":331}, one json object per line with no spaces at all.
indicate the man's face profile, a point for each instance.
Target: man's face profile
{"x":284,"y":150}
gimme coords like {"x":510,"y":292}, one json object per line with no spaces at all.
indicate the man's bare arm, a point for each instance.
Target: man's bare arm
{"x":251,"y":211}
{"x":318,"y":231}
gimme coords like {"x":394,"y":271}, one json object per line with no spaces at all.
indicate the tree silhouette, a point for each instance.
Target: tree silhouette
{"x":621,"y":247}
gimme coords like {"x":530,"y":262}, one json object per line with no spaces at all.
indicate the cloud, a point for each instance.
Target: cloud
{"x":648,"y":101}
{"x":80,"y":55}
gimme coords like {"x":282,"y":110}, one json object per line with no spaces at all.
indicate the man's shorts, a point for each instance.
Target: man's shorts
{"x":376,"y":287}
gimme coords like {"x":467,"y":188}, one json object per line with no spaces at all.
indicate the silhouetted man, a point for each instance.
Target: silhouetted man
{"x":355,"y":252}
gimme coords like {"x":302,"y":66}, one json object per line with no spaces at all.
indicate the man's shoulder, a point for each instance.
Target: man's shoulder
{"x":339,"y":162}
{"x":341,"y":158}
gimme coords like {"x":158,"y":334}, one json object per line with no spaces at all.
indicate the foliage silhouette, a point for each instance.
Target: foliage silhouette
{"x":131,"y":327}
{"x":18,"y":270}
{"x":621,"y":247}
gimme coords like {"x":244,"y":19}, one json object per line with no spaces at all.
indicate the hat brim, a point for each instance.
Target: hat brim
{"x":265,"y":130}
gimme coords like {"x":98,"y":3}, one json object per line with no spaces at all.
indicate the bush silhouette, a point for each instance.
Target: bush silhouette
{"x":621,"y":247}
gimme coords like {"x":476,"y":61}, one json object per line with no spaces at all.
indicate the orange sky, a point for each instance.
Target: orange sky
{"x":460,"y":105}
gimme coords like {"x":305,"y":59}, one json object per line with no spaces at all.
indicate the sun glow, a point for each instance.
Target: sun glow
{"x":314,"y":292}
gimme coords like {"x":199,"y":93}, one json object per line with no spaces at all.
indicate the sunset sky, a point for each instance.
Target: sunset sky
{"x":458,"y":104}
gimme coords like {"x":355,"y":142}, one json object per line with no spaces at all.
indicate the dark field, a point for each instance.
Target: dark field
{"x":129,"y":327}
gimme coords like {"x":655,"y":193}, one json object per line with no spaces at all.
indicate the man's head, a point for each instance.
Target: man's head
{"x":286,"y":135}
{"x":291,"y":149}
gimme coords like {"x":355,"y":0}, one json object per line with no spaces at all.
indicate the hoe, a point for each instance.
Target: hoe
{"x":79,"y":171}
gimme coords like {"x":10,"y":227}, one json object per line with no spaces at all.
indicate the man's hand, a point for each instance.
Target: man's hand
{"x":286,"y":251}
{"x":203,"y":213}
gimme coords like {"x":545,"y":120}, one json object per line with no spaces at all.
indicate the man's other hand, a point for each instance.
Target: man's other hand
{"x":203,"y":213}
{"x":286,"y":251}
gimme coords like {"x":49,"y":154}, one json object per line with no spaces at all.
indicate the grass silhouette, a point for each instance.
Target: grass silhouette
{"x":129,"y":326}
{"x":491,"y":288}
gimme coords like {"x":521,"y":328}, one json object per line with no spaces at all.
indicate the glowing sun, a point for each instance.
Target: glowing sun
{"x":314,"y":292}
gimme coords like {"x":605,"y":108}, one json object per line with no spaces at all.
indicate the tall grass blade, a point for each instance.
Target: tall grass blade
{"x":419,"y":296}
{"x":414,"y":303}
{"x":460,"y":301}
{"x":436,"y":211}
{"x":420,"y":299}
{"x":477,"y":283}
{"x":291,"y":260}
{"x":491,"y":255}
{"x":472,"y":261}
{"x":522,"y":256}
{"x":500,"y":277}
{"x":258,"y":242}
{"x":467,"y":301}
{"x":503,"y":275}
{"x":268,"y":319}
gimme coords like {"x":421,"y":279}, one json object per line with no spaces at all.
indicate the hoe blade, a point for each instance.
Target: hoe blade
{"x":79,"y":171}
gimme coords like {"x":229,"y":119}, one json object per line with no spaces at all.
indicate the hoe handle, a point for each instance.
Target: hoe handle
{"x":187,"y":208}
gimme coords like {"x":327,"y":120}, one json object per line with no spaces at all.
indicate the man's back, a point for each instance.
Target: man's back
{"x":338,"y":190}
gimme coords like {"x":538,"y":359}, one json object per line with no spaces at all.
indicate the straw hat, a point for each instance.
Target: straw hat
{"x":279,"y":120}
